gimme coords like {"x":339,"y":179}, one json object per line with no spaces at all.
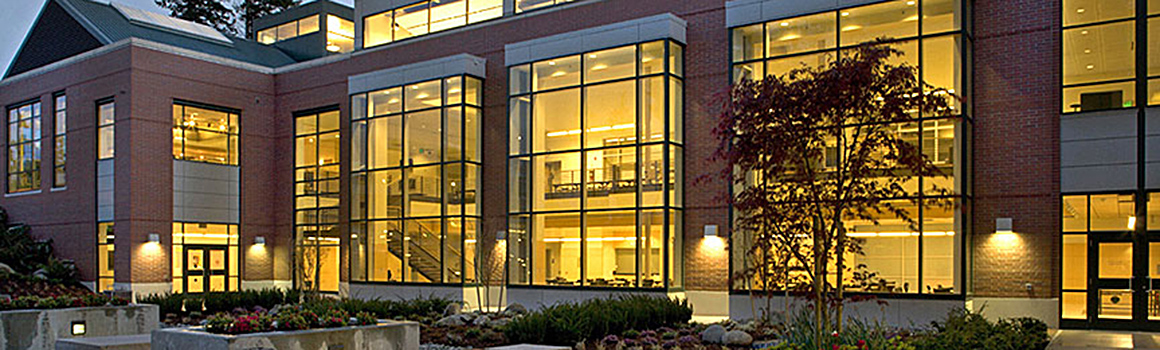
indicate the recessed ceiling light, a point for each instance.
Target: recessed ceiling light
{"x":785,"y":24}
{"x":844,"y":14}
{"x":1091,"y":66}
{"x":910,"y":3}
{"x":1080,"y":10}
{"x":1087,"y":51}
{"x":551,"y":63}
{"x":1083,"y":32}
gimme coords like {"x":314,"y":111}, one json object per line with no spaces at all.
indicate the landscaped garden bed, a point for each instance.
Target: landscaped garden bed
{"x":387,"y":335}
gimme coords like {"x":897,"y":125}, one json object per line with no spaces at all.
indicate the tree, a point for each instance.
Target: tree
{"x":813,"y":148}
{"x":246,"y":11}
{"x":212,"y":13}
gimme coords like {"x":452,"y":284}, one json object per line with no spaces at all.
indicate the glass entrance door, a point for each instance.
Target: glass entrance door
{"x":205,"y":269}
{"x":1114,"y":286}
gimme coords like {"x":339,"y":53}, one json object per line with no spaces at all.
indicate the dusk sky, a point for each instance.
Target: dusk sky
{"x":17,"y":17}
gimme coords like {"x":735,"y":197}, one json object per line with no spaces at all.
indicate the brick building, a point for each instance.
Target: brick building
{"x":561,"y":150}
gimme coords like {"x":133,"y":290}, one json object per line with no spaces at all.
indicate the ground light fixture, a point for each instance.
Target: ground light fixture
{"x":78,"y":328}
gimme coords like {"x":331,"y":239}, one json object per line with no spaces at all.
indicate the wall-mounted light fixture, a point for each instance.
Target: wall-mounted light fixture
{"x":260,"y":240}
{"x":1003,"y":225}
{"x":154,"y":238}
{"x":711,"y":231}
{"x":501,"y":235}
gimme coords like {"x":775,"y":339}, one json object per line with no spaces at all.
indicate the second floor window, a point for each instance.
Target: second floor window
{"x":426,"y":17}
{"x":24,"y":148}
{"x":205,"y":134}
{"x":288,"y":30}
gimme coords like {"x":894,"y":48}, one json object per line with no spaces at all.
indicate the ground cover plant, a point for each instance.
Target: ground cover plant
{"x":569,"y":323}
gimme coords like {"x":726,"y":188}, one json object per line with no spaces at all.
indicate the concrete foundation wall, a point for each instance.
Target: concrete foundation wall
{"x":1044,"y":309}
{"x":390,"y":335}
{"x":894,"y":312}
{"x":40,"y":329}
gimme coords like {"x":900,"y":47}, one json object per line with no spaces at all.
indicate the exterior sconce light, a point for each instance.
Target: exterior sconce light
{"x":500,"y":235}
{"x":260,"y":240}
{"x":711,"y":231}
{"x":154,"y":238}
{"x":1003,"y":225}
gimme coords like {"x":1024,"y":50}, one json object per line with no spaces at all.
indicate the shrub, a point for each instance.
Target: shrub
{"x":569,"y":323}
{"x":60,"y":302}
{"x":967,"y":330}
{"x":216,"y":302}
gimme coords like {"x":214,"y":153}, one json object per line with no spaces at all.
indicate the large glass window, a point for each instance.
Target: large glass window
{"x":595,"y":168}
{"x":205,"y":134}
{"x":528,"y":5}
{"x":316,"y":188}
{"x":339,"y":34}
{"x":426,"y":17}
{"x":59,"y":144}
{"x":24,"y":148}
{"x":415,"y":182}
{"x":903,"y":258}
{"x":289,"y":30}
{"x":1100,"y":43}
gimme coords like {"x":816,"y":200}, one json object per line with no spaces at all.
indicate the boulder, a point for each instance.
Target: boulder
{"x":453,"y":321}
{"x":737,"y":338}
{"x":452,"y":309}
{"x":481,"y":320}
{"x":5,"y":268}
{"x":499,"y":322}
{"x":713,"y":334}
{"x":515,"y":309}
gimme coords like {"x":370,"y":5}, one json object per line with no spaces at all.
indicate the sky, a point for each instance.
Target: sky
{"x":17,"y":15}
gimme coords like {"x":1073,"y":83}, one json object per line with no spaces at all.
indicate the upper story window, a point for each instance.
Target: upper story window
{"x":339,"y":34}
{"x":426,"y":17}
{"x":59,"y":148}
{"x":528,"y":5}
{"x":106,"y":137}
{"x":205,"y":134}
{"x":24,"y":148}
{"x":595,"y":168}
{"x":1100,"y":61}
{"x":288,"y":30}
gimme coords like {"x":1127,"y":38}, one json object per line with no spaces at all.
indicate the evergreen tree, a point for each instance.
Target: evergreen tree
{"x":212,"y":13}
{"x":249,"y":10}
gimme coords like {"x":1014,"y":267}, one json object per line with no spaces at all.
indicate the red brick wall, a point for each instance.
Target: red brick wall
{"x":1017,"y":109}
{"x":68,"y":217}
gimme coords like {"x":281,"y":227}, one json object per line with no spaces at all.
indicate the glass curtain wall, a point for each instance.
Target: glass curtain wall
{"x":595,"y":169}
{"x":1106,"y":58}
{"x":934,"y":37}
{"x":105,"y":237}
{"x":205,"y":257}
{"x":415,"y":172}
{"x":288,"y":30}
{"x":316,"y":190}
{"x":60,"y":144}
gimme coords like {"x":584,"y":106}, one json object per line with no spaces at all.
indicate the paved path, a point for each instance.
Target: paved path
{"x":1103,"y":340}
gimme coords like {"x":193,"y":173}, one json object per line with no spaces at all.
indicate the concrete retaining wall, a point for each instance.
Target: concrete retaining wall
{"x":389,"y":335}
{"x":39,"y":329}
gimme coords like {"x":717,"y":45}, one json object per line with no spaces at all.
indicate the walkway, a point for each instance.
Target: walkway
{"x":1101,"y":340}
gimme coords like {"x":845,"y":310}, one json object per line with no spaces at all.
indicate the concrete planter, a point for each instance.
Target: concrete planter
{"x":387,"y":335}
{"x":39,"y":329}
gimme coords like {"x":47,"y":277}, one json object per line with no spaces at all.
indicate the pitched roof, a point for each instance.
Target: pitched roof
{"x":112,"y":23}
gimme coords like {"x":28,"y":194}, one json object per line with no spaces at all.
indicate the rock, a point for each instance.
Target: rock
{"x":7,"y":269}
{"x":481,"y":320}
{"x":713,"y":334}
{"x":499,"y":322}
{"x":515,"y":309}
{"x":453,"y":321}
{"x":737,"y":338}
{"x":452,"y":309}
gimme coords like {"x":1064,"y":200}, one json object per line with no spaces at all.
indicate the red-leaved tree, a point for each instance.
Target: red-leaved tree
{"x":817,"y":146}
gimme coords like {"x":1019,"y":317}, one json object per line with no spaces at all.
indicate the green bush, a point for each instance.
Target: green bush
{"x":967,"y":330}
{"x":566,"y":324}
{"x":215,"y":302}
{"x":429,"y":306}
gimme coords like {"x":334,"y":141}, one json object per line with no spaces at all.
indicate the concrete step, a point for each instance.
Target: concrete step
{"x":120,"y":342}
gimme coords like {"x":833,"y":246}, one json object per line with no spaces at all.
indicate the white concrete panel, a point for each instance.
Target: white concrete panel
{"x":624,"y":33}
{"x":1098,"y":125}
{"x":892,"y":312}
{"x":1152,"y":174}
{"x":1046,"y":310}
{"x":416,"y":72}
{"x":1152,"y":121}
{"x":1116,"y":151}
{"x":1098,"y":178}
{"x":743,"y":12}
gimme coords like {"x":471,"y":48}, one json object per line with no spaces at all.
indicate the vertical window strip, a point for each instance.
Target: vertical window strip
{"x":60,"y":145}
